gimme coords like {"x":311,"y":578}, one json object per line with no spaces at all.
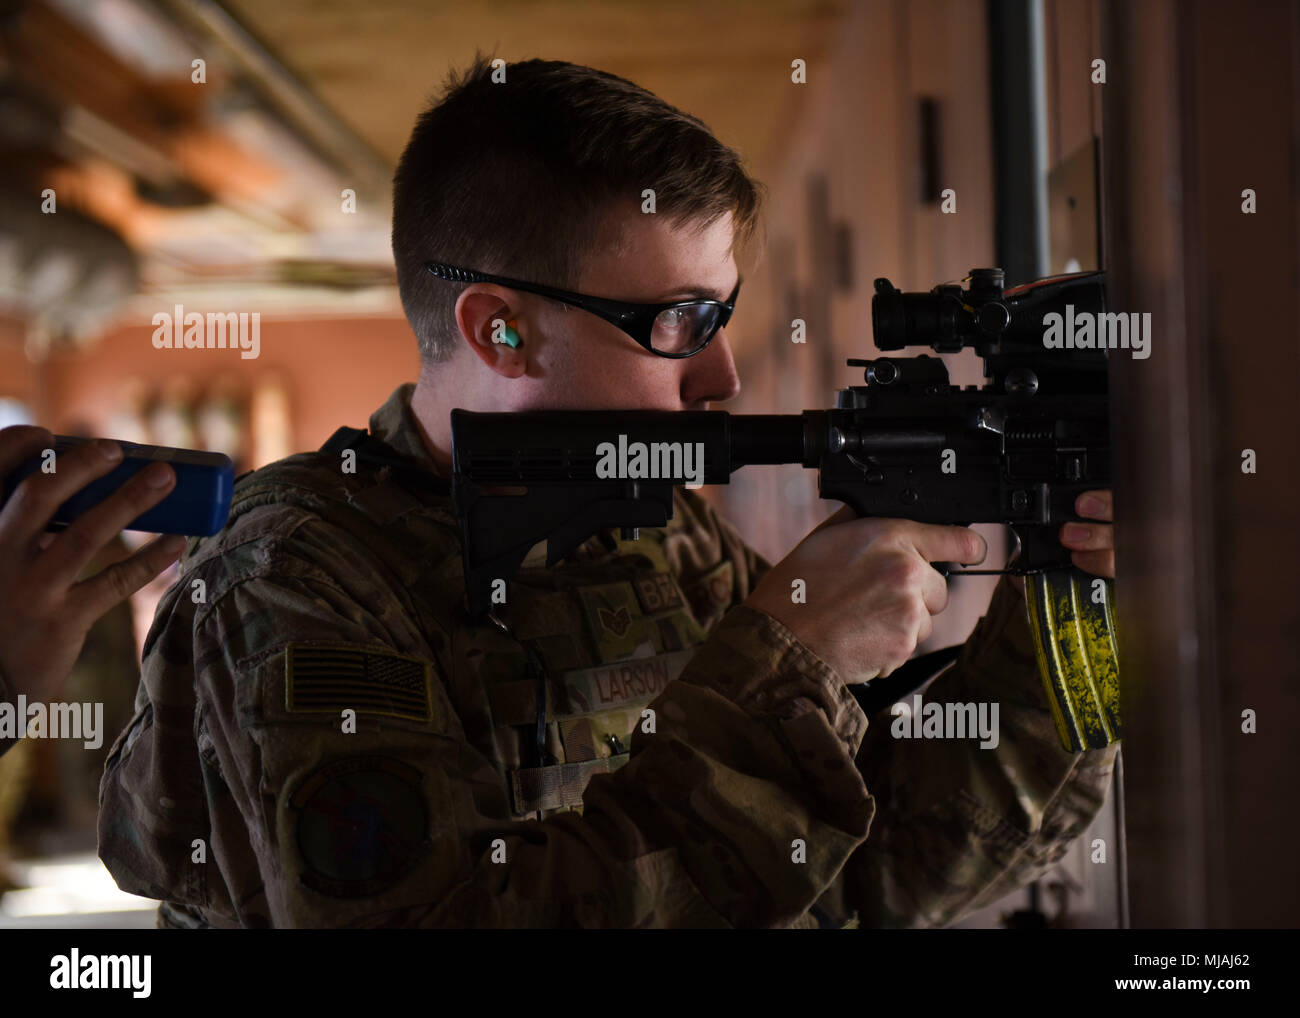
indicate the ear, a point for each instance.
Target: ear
{"x":482,"y":311}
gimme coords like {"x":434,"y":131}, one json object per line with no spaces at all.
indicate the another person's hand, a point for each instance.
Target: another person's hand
{"x":870,"y":590}
{"x":44,"y":612}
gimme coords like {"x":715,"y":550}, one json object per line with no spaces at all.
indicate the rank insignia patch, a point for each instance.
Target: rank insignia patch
{"x":335,"y":677}
{"x":362,"y":825}
{"x":616,"y":622}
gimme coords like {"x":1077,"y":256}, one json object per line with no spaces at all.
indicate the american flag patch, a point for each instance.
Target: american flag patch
{"x":331,"y":678}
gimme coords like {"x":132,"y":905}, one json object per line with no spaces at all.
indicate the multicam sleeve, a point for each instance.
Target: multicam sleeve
{"x":957,"y":826}
{"x":754,"y":785}
{"x":739,"y":809}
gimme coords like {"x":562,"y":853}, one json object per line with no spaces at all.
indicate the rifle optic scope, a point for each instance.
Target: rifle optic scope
{"x":945,"y":318}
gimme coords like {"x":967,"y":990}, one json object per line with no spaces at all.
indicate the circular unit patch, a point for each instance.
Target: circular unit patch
{"x":362,"y":825}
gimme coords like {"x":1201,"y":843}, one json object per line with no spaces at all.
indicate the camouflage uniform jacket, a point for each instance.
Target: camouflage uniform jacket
{"x":323,"y":738}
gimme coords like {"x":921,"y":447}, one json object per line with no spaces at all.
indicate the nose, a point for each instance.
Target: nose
{"x":710,"y":377}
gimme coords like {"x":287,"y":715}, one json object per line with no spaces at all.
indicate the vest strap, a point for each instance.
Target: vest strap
{"x":539,"y":788}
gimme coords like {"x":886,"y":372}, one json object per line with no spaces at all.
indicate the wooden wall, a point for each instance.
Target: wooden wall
{"x":1203,"y":103}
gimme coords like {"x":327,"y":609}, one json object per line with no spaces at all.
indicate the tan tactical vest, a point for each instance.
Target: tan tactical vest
{"x":587,"y":645}
{"x":608,"y":635}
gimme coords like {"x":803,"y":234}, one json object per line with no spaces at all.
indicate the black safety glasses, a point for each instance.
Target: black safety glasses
{"x":680,"y":329}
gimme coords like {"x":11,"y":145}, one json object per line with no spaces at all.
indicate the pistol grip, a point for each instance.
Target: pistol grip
{"x":1078,"y":655}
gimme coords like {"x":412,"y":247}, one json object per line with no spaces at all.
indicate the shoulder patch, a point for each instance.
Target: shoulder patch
{"x":362,"y":825}
{"x":329,"y":678}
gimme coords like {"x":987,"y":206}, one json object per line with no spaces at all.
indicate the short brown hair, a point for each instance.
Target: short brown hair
{"x":512,"y":178}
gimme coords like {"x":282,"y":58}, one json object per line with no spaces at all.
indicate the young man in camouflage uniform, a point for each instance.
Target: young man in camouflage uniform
{"x":323,"y":737}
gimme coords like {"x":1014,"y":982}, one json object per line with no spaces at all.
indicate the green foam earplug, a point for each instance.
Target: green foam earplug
{"x":510,"y":337}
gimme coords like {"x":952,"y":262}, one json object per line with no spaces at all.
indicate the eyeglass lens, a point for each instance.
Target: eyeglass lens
{"x":685,"y":328}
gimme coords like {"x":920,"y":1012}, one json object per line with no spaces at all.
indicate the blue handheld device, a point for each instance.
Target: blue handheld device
{"x":197,"y":506}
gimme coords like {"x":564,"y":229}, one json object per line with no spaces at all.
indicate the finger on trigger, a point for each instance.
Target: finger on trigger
{"x":938,"y":543}
{"x":980,"y":552}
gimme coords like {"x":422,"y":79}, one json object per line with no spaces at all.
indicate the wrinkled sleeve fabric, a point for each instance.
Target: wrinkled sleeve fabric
{"x":740,"y":808}
{"x":958,"y":826}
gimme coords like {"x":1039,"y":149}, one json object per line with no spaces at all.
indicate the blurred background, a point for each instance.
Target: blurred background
{"x":236,"y":156}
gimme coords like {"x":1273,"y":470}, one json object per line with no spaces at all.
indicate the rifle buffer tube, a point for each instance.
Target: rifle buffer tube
{"x":808,"y":437}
